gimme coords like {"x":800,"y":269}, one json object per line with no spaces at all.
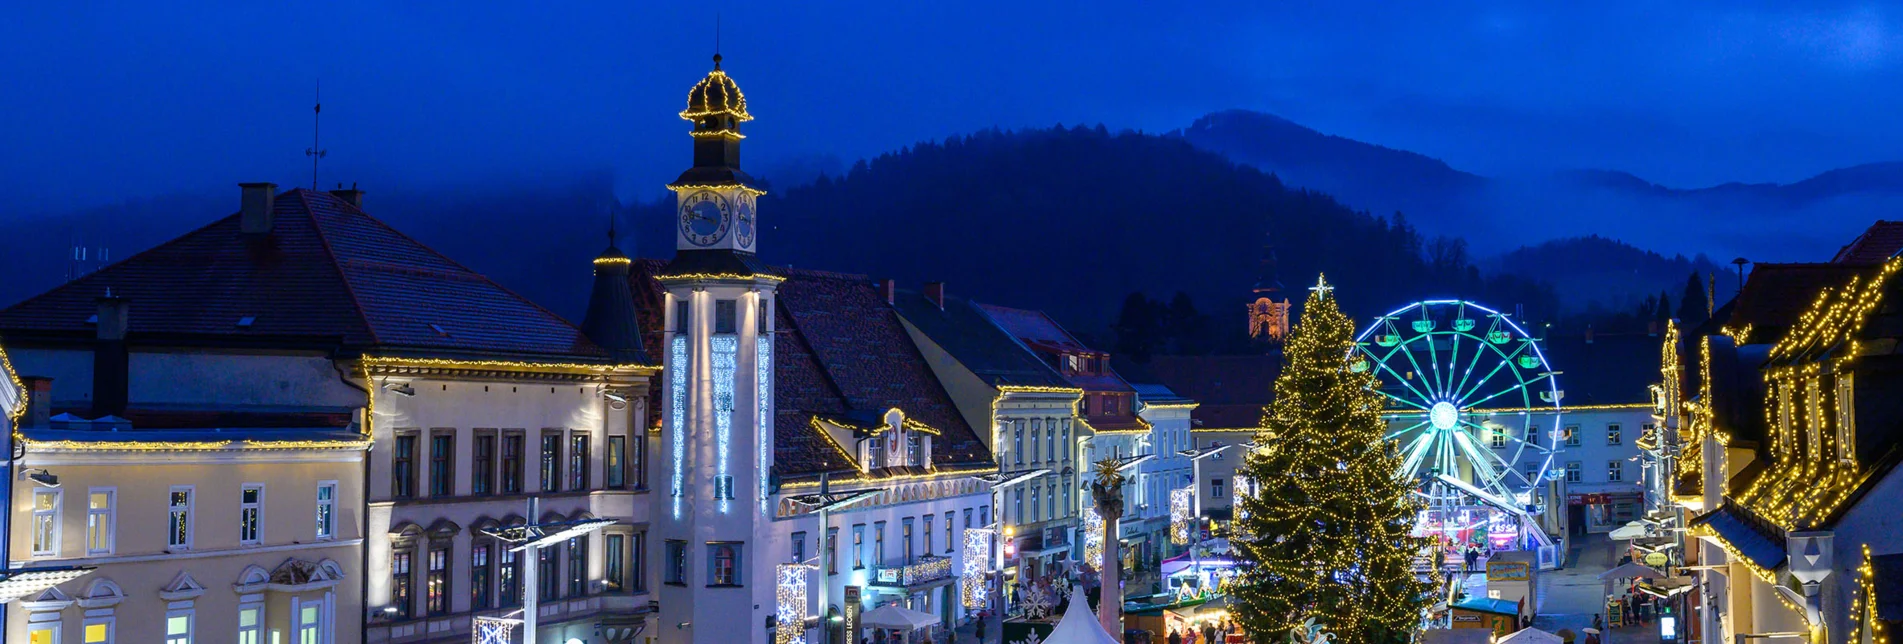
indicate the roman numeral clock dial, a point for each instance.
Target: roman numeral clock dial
{"x":705,"y":218}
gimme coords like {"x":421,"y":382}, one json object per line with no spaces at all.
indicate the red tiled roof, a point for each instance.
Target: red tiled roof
{"x":840,"y":350}
{"x":1877,"y":243}
{"x":326,"y":273}
{"x":1776,"y":294}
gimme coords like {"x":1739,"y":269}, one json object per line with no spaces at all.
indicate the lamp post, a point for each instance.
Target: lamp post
{"x":998,"y":482}
{"x":530,"y":539}
{"x":825,"y":502}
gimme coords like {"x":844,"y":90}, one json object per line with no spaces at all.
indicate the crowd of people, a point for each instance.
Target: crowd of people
{"x":1212,"y":632}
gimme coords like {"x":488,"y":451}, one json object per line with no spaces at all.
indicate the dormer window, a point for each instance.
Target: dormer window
{"x":914,"y":450}
{"x":875,"y":452}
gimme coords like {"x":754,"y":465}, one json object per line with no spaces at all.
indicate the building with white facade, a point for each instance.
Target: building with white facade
{"x":1031,"y":410}
{"x":1605,"y":407}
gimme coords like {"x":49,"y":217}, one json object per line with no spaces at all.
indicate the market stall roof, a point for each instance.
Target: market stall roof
{"x":1632,"y":530}
{"x":1530,"y":636}
{"x":1631,"y":570}
{"x":896,"y":616}
{"x":1488,"y":605}
{"x":1079,"y":625}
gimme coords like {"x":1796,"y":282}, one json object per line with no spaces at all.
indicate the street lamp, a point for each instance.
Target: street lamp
{"x":826,"y":501}
{"x":998,"y":482}
{"x":530,"y":539}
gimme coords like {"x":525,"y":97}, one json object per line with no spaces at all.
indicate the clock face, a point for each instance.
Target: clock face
{"x":705,"y":218}
{"x":743,"y":227}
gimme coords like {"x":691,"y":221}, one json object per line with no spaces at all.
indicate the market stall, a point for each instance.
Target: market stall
{"x":901,"y":625}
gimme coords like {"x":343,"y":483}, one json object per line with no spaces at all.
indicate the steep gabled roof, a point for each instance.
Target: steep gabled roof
{"x":1877,"y":243}
{"x":326,"y":275}
{"x":1776,"y":294}
{"x":1041,"y":333}
{"x":839,"y":352}
{"x":969,"y":336}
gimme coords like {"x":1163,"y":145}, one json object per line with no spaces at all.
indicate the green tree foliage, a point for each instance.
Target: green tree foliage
{"x":1329,"y":533}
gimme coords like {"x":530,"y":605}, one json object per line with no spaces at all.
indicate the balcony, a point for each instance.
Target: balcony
{"x":926,"y":570}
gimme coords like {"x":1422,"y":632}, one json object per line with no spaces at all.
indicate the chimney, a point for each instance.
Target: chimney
{"x":352,"y":196}
{"x":39,"y":401}
{"x":891,"y":290}
{"x":110,"y":357}
{"x":935,"y":291}
{"x":258,"y":200}
{"x":1588,"y":334}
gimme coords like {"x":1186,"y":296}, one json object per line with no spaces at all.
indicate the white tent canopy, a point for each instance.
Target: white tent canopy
{"x":1632,"y":530}
{"x":896,"y":616}
{"x":1530,"y":636}
{"x":1079,"y":625}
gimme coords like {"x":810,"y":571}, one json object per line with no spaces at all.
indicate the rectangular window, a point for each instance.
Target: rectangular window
{"x":878,"y":543}
{"x":101,"y":518}
{"x":46,"y":523}
{"x":442,"y":455}
{"x":548,"y":573}
{"x":327,"y":510}
{"x":799,"y":547}
{"x":1109,"y":405}
{"x":1612,"y":435}
{"x":251,"y":514}
{"x":905,"y":529}
{"x":482,"y":466}
{"x":676,"y":562}
{"x":178,"y":626}
{"x":403,"y":467}
{"x":832,"y":551}
{"x":1050,"y":440}
{"x":638,"y":562}
{"x":640,"y":461}
{"x":1067,"y":504}
{"x":724,"y":564}
{"x":436,"y":585}
{"x":968,"y":519}
{"x":1572,"y":472}
{"x":726,"y":316}
{"x":1215,"y":488}
{"x":1498,"y":436}
{"x":984,"y":515}
{"x":310,"y":622}
{"x":508,"y":576}
{"x":914,"y":450}
{"x":859,"y":546}
{"x":43,"y":633}
{"x":1037,"y":426}
{"x":178,"y":532}
{"x":1017,"y":506}
{"x":577,"y":461}
{"x":950,"y":543}
{"x":512,"y":463}
{"x":551,"y":461}
{"x":250,"y":624}
{"x":927,"y":535}
{"x":480,"y":574}
{"x":617,"y":462}
{"x":612,"y":571}
{"x":400,"y":581}
{"x":1034,"y":506}
{"x":1017,"y":442}
{"x":577,"y":566}
{"x":681,"y":316}
{"x":99,"y":630}
{"x":1532,"y":472}
{"x":1615,"y":471}
{"x":1066,"y":439}
{"x":1572,"y":436}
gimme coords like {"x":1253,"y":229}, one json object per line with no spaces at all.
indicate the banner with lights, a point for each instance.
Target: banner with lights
{"x":977,"y":561}
{"x":790,"y":595}
{"x":1182,"y":514}
{"x":1093,"y":538}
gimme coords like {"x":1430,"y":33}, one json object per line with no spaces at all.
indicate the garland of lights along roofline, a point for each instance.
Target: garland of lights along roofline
{"x":1816,"y":471}
{"x":1330,"y":530}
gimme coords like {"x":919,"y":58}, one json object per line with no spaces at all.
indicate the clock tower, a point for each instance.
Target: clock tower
{"x":716,"y":443}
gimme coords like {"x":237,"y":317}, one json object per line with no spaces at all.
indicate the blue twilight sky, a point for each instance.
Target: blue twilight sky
{"x":107,"y":101}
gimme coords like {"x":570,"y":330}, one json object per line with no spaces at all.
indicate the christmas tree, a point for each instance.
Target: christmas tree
{"x":1329,"y":532}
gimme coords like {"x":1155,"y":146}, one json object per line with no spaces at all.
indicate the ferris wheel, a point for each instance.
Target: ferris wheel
{"x":1471,"y":402}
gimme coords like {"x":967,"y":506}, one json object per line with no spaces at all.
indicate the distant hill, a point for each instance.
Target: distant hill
{"x":1606,"y":274}
{"x":1801,"y":221}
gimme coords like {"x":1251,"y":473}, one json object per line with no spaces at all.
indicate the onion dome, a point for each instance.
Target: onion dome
{"x":716,"y":95}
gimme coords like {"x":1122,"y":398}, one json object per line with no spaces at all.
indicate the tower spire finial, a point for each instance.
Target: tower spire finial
{"x":716,"y":41}
{"x":317,"y":117}
{"x":611,"y":225}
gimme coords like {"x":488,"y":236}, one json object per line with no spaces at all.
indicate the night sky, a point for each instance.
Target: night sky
{"x":105,"y":103}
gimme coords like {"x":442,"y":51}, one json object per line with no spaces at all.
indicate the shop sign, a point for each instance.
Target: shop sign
{"x":850,"y":603}
{"x":1656,"y":559}
{"x":1507,"y":571}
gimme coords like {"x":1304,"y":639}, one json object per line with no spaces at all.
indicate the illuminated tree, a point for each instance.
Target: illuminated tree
{"x":1329,"y":533}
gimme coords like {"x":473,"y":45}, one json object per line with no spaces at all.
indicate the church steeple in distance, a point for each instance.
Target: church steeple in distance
{"x":611,"y":321}
{"x":1268,"y":306}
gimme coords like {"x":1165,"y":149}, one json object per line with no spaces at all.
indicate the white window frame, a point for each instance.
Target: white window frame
{"x":171,"y":511}
{"x":191,"y":619}
{"x":52,"y":515}
{"x":55,"y":627}
{"x":1575,"y":472}
{"x":326,"y":533}
{"x":256,"y":629}
{"x":1615,"y":471}
{"x":111,"y":515}
{"x":111,"y":624}
{"x":257,"y":536}
{"x":322,"y":625}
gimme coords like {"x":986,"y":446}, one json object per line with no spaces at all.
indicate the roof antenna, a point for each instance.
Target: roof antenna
{"x":317,"y":117}
{"x":716,"y":41}
{"x":611,"y":224}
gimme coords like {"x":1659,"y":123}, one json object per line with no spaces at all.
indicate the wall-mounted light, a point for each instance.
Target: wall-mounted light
{"x":40,"y":477}
{"x":401,"y":388}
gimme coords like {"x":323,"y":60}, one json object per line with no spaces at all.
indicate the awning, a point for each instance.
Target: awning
{"x":1632,"y":530}
{"x":23,"y":582}
{"x":896,"y":616}
{"x":1046,"y":551}
{"x":1530,"y":636}
{"x":1736,"y":531}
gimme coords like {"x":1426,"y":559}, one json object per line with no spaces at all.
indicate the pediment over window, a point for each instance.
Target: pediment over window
{"x":102,"y":593}
{"x":252,"y":579}
{"x":183,"y":587}
{"x":50,"y":600}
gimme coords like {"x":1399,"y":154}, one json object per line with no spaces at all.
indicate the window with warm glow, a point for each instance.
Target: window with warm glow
{"x":45,"y":523}
{"x":100,"y":520}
